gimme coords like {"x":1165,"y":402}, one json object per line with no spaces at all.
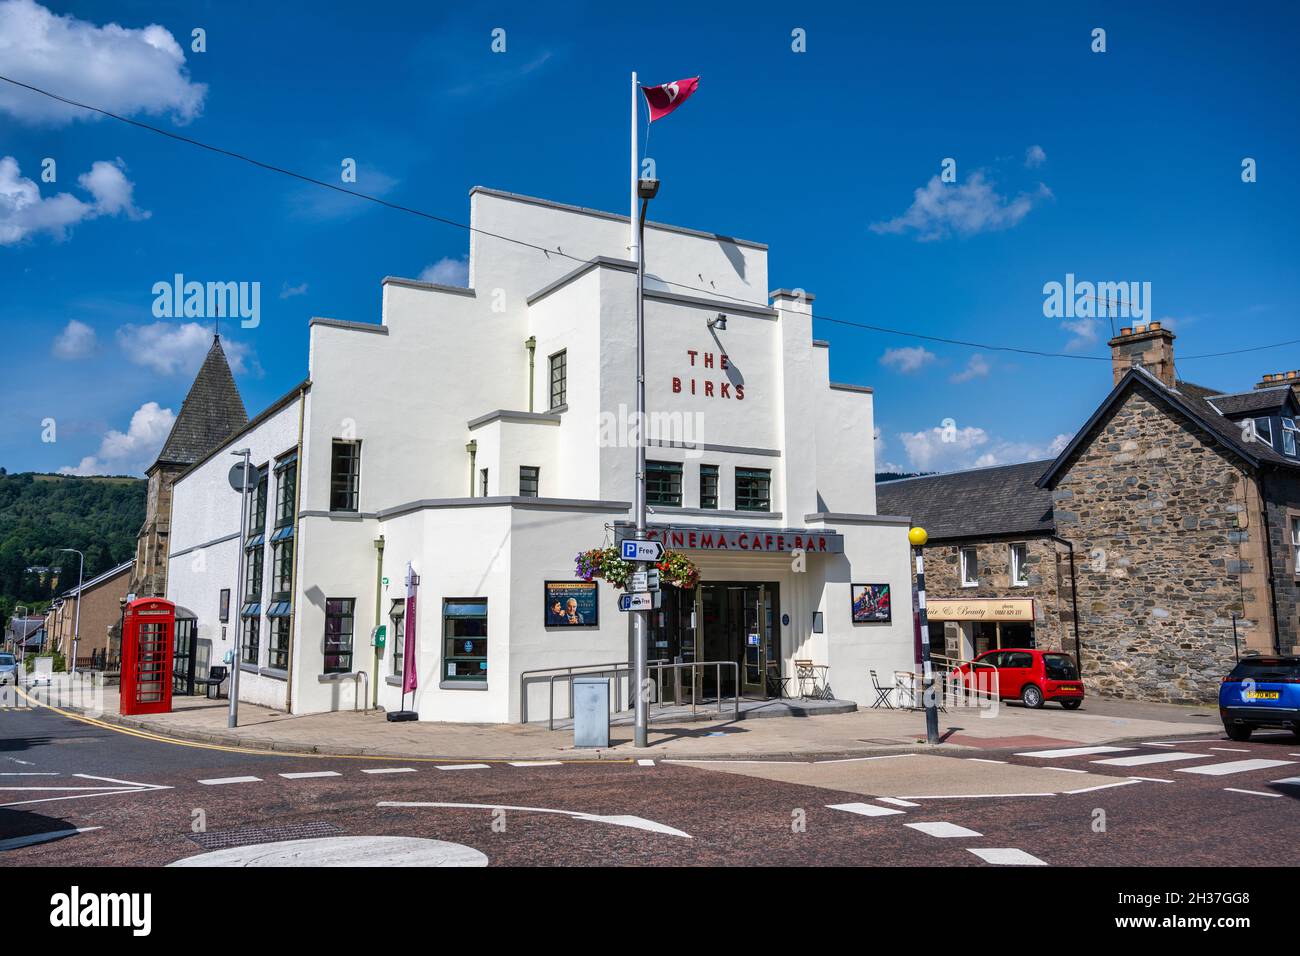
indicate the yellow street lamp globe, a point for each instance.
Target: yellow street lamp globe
{"x":918,"y":537}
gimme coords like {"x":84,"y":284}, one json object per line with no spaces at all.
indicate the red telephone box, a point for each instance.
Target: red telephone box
{"x":148,"y":643}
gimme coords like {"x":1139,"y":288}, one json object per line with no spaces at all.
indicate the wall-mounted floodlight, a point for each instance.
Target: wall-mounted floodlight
{"x":718,"y":322}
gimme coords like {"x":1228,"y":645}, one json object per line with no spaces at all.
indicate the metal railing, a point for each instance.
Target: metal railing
{"x":617,"y":671}
{"x":957,"y":690}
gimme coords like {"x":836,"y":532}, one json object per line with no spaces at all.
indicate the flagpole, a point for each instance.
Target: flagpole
{"x":634,"y":246}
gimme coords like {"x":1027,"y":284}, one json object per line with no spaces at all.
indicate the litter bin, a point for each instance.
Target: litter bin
{"x":591,"y":712}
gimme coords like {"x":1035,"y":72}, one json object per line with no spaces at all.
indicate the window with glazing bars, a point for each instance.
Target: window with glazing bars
{"x":345,"y":475}
{"x":282,"y":567}
{"x":277,"y":652}
{"x":257,"y":506}
{"x":559,"y":378}
{"x":708,"y":486}
{"x":663,"y":483}
{"x":286,"y":486}
{"x":248,"y":645}
{"x":338,"y":635}
{"x":753,"y":489}
{"x":529,"y":479}
{"x":464,"y":628}
{"x":253,"y":574}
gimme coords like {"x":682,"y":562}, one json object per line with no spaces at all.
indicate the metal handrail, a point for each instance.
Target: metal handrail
{"x":735,"y":668}
{"x":615,"y":669}
{"x":959,"y":689}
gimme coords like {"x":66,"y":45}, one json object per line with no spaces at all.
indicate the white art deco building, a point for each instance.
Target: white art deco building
{"x":481,"y":436}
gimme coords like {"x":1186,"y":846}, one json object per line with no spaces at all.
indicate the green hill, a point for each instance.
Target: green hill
{"x":42,"y":513}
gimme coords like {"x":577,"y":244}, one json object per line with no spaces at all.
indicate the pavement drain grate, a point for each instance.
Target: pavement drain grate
{"x":250,"y":836}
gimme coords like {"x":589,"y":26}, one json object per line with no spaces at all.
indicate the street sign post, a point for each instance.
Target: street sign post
{"x":637,"y":549}
{"x":645,"y":601}
{"x":644,"y":581}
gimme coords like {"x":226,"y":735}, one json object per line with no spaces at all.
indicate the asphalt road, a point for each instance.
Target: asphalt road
{"x":74,"y":794}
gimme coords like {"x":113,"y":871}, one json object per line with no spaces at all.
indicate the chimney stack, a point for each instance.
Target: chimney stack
{"x":1150,"y":346}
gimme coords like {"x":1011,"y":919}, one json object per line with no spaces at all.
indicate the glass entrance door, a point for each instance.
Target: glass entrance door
{"x":752,"y":621}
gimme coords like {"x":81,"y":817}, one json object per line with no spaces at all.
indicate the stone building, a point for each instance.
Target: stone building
{"x":100,"y":614}
{"x":1177,"y":505}
{"x":996,"y":575}
{"x":211,"y":412}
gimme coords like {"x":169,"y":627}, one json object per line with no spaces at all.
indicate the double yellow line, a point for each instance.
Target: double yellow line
{"x":224,"y":748}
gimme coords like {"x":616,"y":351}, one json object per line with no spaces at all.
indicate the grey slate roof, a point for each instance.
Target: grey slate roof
{"x":211,"y":411}
{"x":1260,"y":400}
{"x":982,"y":502}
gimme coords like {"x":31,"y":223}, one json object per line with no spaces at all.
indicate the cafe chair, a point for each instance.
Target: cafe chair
{"x":883,"y":693}
{"x":803,"y":673}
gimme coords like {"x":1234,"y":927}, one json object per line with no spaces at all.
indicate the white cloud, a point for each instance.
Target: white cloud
{"x":119,"y":69}
{"x":1083,"y":334}
{"x":940,"y":209}
{"x":287,"y":291}
{"x":171,"y":349}
{"x":977,"y":366}
{"x":25,"y":212}
{"x":76,"y":341}
{"x":132,"y":451}
{"x":447,"y":271}
{"x":953,"y":449}
{"x":908,"y":359}
{"x":1035,"y":156}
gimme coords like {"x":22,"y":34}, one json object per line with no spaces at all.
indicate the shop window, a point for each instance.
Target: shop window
{"x":464,"y":630}
{"x":753,"y":489}
{"x":345,"y":475}
{"x":708,"y":486}
{"x":663,"y":483}
{"x":338,"y":635}
{"x":530,"y":477}
{"x":559,"y":378}
{"x":277,"y":652}
{"x":1019,"y":565}
{"x":970,"y":573}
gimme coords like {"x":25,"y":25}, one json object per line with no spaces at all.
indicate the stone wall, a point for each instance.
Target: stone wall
{"x":1283,"y":497}
{"x":1167,"y":555}
{"x":1048,"y":566}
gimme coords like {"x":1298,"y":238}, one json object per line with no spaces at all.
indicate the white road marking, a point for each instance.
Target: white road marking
{"x":618,"y":820}
{"x":1233,"y":750}
{"x":463,"y":766}
{"x":34,"y":838}
{"x":31,"y":773}
{"x":1104,"y":786}
{"x":222,"y":781}
{"x":83,"y":793}
{"x":984,"y":760}
{"x":977,"y":796}
{"x":390,"y":770}
{"x":1191,"y":740}
{"x":942,"y":829}
{"x":645,"y":763}
{"x":536,"y":763}
{"x":897,"y":802}
{"x":310,"y":774}
{"x":1234,"y":766}
{"x":125,"y":783}
{"x":1254,"y":793}
{"x":1073,"y":752}
{"x":1152,"y":779}
{"x":859,"y":759}
{"x":1142,"y":759}
{"x":864,"y":809}
{"x":1290,"y":781}
{"x":1005,"y":856}
{"x":1064,"y":769}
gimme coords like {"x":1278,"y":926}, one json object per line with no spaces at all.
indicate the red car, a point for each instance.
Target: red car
{"x":1032,"y":676}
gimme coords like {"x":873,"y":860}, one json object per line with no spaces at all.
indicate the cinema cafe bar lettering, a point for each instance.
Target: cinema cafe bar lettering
{"x":747,"y":540}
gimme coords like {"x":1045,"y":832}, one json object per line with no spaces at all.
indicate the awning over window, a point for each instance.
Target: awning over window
{"x":280,"y":609}
{"x":252,"y":609}
{"x":286,"y":461}
{"x":255,"y":541}
{"x":282,"y":533}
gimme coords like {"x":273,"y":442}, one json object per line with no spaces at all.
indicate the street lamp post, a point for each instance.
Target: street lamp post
{"x":646,"y":190}
{"x":76,"y":625}
{"x":22,"y":641}
{"x":918,"y":538}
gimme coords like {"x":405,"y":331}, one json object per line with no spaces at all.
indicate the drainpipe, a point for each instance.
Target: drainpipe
{"x":472,"y":448}
{"x":531,"y":345}
{"x":297,"y":552}
{"x":1268,"y":557}
{"x":1074,"y":604}
{"x":379,"y":597}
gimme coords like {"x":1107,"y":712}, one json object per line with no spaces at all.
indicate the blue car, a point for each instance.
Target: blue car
{"x":1261,"y":692}
{"x":8,"y":669}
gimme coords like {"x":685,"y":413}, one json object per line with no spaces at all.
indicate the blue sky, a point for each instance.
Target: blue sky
{"x":1136,"y":176}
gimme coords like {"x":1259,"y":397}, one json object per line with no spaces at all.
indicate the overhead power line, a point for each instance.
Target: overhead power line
{"x":444,"y":220}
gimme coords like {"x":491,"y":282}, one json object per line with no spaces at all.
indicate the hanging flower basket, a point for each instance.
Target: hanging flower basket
{"x":675,"y":568}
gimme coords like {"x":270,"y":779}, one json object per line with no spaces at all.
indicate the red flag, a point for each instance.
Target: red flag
{"x":409,"y":680}
{"x":662,"y":100}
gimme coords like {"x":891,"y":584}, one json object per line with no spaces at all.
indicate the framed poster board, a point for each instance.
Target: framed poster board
{"x":871,"y":604}
{"x":223,"y":611}
{"x":571,"y":604}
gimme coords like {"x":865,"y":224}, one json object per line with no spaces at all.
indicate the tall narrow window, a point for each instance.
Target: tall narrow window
{"x":286,"y":490}
{"x":970,"y":572}
{"x":277,"y":651}
{"x":663,"y":483}
{"x":345,"y":475}
{"x":248,"y":643}
{"x":257,"y":509}
{"x":529,"y":479}
{"x":753,"y":489}
{"x":1290,"y":436}
{"x":1295,"y":543}
{"x":1019,"y":565}
{"x":559,"y":378}
{"x":464,"y":630}
{"x":397,"y":635}
{"x":253,"y":574}
{"x":482,"y":482}
{"x":338,"y":635}
{"x":708,"y":486}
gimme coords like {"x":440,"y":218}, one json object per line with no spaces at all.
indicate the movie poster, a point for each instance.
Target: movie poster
{"x":571,"y":604}
{"x":871,"y":604}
